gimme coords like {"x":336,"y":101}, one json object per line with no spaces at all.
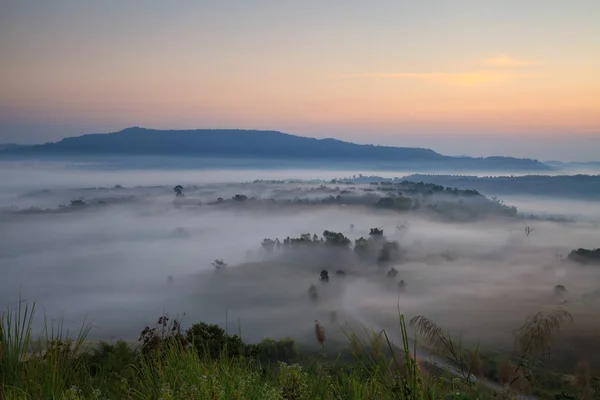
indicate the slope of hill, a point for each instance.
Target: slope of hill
{"x":12,"y":146}
{"x":560,"y":186}
{"x":262,"y":145}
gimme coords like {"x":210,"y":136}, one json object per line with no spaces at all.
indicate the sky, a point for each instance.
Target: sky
{"x":471,"y":77}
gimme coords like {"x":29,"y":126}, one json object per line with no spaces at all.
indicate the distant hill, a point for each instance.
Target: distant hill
{"x":262,"y":145}
{"x":595,"y":165}
{"x":561,"y":186}
{"x":12,"y":146}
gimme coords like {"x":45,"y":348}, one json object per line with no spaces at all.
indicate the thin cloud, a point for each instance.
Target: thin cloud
{"x":473,"y":78}
{"x":591,"y":130}
{"x":504,"y":61}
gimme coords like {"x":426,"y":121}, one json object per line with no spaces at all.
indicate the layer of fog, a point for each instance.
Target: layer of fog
{"x":112,"y":263}
{"x":32,"y":174}
{"x":581,"y":210}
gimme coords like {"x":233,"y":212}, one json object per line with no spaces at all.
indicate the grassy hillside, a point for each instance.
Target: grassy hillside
{"x":205,"y":362}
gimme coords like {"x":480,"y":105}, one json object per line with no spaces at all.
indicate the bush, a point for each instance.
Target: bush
{"x":213,"y":342}
{"x":293,"y":381}
{"x":272,"y":351}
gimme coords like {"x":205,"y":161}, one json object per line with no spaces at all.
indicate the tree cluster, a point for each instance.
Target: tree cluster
{"x":585,"y":256}
{"x":375,"y":248}
{"x":213,"y":342}
{"x":456,"y":204}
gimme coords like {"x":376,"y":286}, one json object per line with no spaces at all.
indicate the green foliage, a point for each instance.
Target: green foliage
{"x":166,"y":334}
{"x":112,"y":360}
{"x":271,"y":351}
{"x":293,"y":381}
{"x":45,"y":365}
{"x":207,"y":363}
{"x":214,"y":342}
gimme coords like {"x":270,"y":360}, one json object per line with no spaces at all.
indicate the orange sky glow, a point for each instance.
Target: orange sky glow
{"x":528,"y":68}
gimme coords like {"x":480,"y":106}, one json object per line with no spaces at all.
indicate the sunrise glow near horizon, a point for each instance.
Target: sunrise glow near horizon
{"x":518,"y":78}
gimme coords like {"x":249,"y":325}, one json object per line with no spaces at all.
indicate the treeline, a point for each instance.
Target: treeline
{"x":450,"y":203}
{"x":564,"y":186}
{"x":445,"y":202}
{"x":585,"y":256}
{"x":374,"y":248}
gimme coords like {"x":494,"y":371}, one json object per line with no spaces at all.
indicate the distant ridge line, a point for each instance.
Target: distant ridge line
{"x":262,"y":144}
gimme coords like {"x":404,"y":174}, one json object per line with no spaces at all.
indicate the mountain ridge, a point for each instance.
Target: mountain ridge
{"x":264,"y":144}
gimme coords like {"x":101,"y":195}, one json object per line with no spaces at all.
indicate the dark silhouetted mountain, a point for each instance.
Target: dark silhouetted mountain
{"x":12,"y":146}
{"x":262,"y":145}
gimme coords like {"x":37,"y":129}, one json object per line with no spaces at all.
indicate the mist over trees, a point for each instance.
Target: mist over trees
{"x":375,"y":249}
{"x":294,"y":252}
{"x":585,"y":256}
{"x":403,"y":197}
{"x":561,"y":186}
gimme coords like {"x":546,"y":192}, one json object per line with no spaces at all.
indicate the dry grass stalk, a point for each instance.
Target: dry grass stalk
{"x":320,"y":333}
{"x":539,"y":330}
{"x":582,"y":375}
{"x":533,"y":337}
{"x":434,"y":336}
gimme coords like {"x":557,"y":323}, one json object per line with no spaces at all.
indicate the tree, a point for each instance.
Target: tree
{"x":78,"y":203}
{"x":528,"y":230}
{"x":401,"y":286}
{"x":333,"y":317}
{"x":336,"y":239}
{"x":400,"y":203}
{"x":585,"y":256}
{"x":312,"y":292}
{"x":178,"y":191}
{"x":559,"y":290}
{"x":268,"y":245}
{"x":219,"y":264}
{"x":389,"y":252}
{"x":361,"y":247}
{"x":271,"y":351}
{"x":376,"y":232}
{"x":214,"y":342}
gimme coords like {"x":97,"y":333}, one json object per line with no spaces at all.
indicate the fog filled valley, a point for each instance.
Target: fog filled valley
{"x":123,"y":255}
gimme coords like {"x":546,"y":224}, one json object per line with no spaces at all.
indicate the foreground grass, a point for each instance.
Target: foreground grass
{"x":205,"y":362}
